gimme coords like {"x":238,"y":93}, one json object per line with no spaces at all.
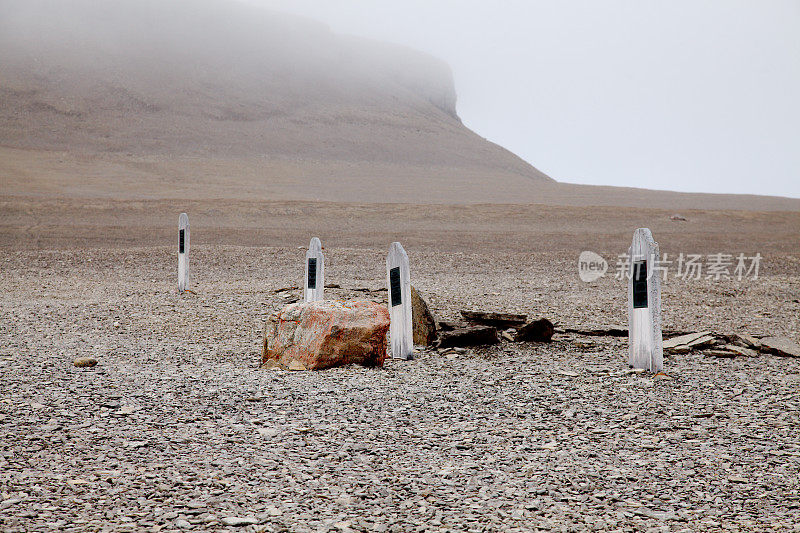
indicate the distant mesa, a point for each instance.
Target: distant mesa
{"x":199,"y":99}
{"x":222,"y":79}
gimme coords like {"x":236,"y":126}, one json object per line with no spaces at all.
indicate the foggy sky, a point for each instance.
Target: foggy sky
{"x":687,"y":95}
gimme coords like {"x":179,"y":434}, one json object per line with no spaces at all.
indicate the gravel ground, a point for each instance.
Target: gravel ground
{"x":176,"y":428}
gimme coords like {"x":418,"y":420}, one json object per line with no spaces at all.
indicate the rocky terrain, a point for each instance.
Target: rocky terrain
{"x":269,"y":130}
{"x":177,"y":429}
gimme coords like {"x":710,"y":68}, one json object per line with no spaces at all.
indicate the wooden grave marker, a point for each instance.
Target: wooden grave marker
{"x":183,"y":252}
{"x":398,"y":279}
{"x":644,"y":304}
{"x":315,"y":272}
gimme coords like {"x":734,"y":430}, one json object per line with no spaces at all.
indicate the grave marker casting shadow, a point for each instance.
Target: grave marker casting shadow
{"x":644,"y":304}
{"x":183,"y":252}
{"x":315,"y":272}
{"x":398,"y":281}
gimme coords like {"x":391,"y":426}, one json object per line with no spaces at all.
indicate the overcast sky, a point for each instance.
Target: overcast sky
{"x":687,"y":95}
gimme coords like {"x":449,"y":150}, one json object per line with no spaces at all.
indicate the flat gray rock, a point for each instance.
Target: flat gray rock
{"x":684,"y":339}
{"x":603,"y":330}
{"x":238,"y":521}
{"x":783,"y":346}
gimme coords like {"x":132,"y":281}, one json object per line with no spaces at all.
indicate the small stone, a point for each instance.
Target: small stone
{"x":85,"y":362}
{"x":267,"y":432}
{"x":272,"y":365}
{"x":684,"y":340}
{"x":740,"y":350}
{"x":782,"y":346}
{"x":297,"y":365}
{"x":726,"y":354}
{"x":469,"y":336}
{"x":422,"y":322}
{"x":126,"y":410}
{"x":182,"y":524}
{"x":538,"y":331}
{"x":496,"y":320}
{"x":238,"y":521}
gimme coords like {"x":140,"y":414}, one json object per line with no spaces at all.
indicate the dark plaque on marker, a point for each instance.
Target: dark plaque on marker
{"x":639,"y":284}
{"x":180,"y":242}
{"x":394,"y":285}
{"x":312,"y":273}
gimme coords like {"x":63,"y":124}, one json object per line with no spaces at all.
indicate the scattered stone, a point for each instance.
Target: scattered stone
{"x":469,"y":336}
{"x":746,"y":341}
{"x":296,"y":365}
{"x":126,"y":410}
{"x":238,"y":521}
{"x":325,"y":334}
{"x":689,"y":341}
{"x":583,"y":345}
{"x":678,"y":218}
{"x":538,"y":331}
{"x":85,"y":362}
{"x":740,"y":350}
{"x":272,"y":364}
{"x":422,"y":322}
{"x":599,"y":331}
{"x":286,"y":289}
{"x":726,"y":354}
{"x":702,"y":342}
{"x":783,"y":346}
{"x":497,"y":320}
{"x":444,"y":325}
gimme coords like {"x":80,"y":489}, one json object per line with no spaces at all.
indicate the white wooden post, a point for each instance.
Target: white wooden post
{"x":183,"y":252}
{"x":644,"y":304}
{"x":315,"y":272}
{"x":398,"y":279}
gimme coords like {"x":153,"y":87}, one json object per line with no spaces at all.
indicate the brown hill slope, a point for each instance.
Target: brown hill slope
{"x":209,"y":99}
{"x":220,"y":79}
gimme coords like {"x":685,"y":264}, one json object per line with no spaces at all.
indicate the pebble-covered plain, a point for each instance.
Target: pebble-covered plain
{"x":177,"y":429}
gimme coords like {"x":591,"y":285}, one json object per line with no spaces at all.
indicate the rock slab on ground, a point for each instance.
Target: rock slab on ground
{"x":422,"y":322}
{"x":325,"y":334}
{"x":469,"y":336}
{"x":497,"y":320}
{"x":539,"y":331}
{"x":780,"y":346}
{"x":604,"y":330}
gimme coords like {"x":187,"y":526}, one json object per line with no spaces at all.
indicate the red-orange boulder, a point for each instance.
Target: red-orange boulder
{"x":324,"y":334}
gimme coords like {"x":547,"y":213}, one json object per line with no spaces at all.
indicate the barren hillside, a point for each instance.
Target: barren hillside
{"x":218,"y":79}
{"x":217,"y":99}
